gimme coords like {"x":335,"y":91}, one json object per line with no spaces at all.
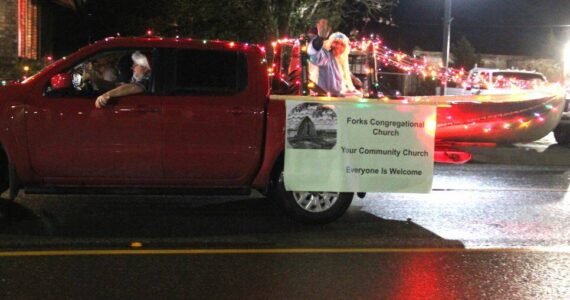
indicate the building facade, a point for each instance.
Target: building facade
{"x":8,"y":32}
{"x":26,"y":31}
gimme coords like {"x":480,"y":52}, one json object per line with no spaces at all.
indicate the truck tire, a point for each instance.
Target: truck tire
{"x":562,"y":135}
{"x":311,"y":207}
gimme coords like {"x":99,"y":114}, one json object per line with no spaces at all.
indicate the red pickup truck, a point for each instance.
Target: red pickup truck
{"x":205,"y":124}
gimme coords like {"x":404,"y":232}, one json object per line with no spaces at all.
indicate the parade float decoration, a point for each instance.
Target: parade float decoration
{"x":526,"y":113}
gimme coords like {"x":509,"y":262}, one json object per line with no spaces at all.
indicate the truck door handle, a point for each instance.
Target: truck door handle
{"x":145,"y":108}
{"x":236,"y":111}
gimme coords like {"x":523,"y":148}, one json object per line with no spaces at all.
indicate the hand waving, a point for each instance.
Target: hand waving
{"x":323,"y":28}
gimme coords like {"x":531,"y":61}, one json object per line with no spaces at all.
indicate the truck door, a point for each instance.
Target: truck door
{"x":213,"y":118}
{"x":69,"y":137}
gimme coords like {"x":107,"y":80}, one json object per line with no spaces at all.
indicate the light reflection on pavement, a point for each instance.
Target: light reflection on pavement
{"x":494,"y":201}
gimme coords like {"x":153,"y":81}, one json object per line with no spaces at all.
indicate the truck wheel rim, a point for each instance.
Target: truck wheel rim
{"x":315,"y":202}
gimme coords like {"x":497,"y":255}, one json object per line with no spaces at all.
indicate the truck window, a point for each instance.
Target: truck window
{"x":103,"y":72}
{"x":210,"y":72}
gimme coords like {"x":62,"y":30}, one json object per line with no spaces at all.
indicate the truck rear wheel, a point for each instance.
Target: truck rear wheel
{"x":311,"y":207}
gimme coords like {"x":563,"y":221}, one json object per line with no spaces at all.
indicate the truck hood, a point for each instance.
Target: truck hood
{"x":6,"y":91}
{"x":2,"y":92}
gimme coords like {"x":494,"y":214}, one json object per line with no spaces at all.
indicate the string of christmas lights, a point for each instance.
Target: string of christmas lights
{"x":389,"y":57}
{"x":407,"y":63}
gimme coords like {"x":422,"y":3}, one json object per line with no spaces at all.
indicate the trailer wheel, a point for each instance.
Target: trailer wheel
{"x":311,"y":207}
{"x":562,"y":135}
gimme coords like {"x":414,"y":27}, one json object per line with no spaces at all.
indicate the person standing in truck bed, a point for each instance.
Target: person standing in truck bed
{"x":331,"y":57}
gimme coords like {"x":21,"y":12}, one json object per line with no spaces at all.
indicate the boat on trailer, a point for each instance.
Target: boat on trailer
{"x":525,"y":115}
{"x":503,"y":118}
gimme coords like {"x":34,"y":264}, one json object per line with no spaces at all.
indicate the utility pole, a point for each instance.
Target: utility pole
{"x":446,"y":38}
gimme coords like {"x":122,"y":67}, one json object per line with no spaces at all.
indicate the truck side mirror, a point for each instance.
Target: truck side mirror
{"x":61,"y":81}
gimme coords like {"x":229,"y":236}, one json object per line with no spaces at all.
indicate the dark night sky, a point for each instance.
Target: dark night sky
{"x":519,"y":27}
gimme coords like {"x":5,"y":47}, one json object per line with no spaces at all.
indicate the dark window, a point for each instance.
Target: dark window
{"x":210,"y":72}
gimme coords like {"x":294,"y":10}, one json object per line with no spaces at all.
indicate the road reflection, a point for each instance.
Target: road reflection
{"x":543,"y":152}
{"x":421,"y":276}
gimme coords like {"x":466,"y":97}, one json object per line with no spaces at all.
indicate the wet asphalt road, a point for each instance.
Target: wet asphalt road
{"x":400,"y":275}
{"x":496,"y":228}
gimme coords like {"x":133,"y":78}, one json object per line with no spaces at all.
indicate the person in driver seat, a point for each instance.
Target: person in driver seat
{"x":139,"y":82}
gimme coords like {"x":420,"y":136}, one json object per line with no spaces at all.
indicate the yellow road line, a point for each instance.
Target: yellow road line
{"x":277,"y":251}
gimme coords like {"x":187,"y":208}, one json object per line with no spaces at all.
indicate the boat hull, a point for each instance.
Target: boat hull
{"x":498,"y":118}
{"x":504,"y":118}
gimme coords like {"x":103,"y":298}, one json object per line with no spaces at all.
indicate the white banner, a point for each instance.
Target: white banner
{"x":359,"y":147}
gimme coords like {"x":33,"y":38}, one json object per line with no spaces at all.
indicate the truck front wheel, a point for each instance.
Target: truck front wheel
{"x":311,"y":207}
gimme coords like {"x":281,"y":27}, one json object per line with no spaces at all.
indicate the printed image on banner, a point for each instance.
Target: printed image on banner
{"x":312,"y":126}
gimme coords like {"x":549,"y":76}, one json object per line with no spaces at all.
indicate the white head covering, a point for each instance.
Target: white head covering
{"x":140,"y":59}
{"x":338,"y":36}
{"x":342,"y":60}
